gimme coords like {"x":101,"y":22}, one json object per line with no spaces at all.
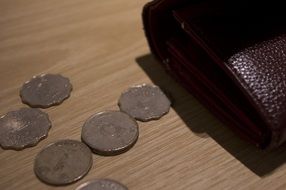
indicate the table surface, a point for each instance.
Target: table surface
{"x":100,"y":45}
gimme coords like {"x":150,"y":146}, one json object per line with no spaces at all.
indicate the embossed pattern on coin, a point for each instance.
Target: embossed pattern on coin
{"x":102,"y":184}
{"x":45,"y":90}
{"x":110,"y":133}
{"x":63,"y":162}
{"x":23,"y":128}
{"x":144,"y":102}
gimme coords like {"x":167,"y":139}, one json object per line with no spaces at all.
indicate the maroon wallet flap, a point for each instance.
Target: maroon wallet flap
{"x":233,"y":62}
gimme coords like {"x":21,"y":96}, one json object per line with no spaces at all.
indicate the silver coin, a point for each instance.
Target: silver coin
{"x":63,"y":162}
{"x":45,"y":90}
{"x":144,"y":102}
{"x":23,"y":128}
{"x":110,"y":132}
{"x":102,"y":184}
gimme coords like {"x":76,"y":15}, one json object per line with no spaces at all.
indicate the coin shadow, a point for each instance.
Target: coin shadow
{"x":203,"y":124}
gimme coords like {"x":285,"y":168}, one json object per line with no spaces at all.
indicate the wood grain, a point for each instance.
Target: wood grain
{"x":101,"y":47}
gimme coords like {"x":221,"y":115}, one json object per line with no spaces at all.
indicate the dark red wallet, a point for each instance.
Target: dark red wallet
{"x":230,"y":56}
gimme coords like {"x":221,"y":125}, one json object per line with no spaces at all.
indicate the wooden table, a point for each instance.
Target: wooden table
{"x":100,"y":46}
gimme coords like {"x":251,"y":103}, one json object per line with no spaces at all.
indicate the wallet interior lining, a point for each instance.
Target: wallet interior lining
{"x":194,"y":75}
{"x":167,"y":25}
{"x":228,"y":27}
{"x":215,"y":105}
{"x":221,"y":32}
{"x":218,"y":83}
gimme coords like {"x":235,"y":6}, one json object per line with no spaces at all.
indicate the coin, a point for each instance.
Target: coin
{"x":102,"y":184}
{"x":45,"y":90}
{"x":23,"y":128}
{"x":110,"y":132}
{"x":63,"y":162}
{"x":144,"y":102}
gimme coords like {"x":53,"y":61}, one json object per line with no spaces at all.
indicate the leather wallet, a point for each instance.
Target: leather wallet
{"x":230,"y":56}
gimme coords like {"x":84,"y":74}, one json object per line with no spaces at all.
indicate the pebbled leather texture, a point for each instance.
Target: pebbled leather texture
{"x":261,"y":70}
{"x":232,"y":59}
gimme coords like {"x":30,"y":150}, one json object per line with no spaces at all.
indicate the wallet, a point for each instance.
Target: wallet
{"x":231,"y":56}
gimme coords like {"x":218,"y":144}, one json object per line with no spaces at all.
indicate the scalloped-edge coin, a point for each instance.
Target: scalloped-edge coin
{"x":23,"y":128}
{"x":110,"y":133}
{"x":45,"y":90}
{"x":102,"y":184}
{"x":144,"y":102}
{"x":63,"y":162}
